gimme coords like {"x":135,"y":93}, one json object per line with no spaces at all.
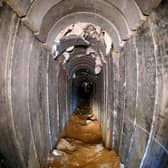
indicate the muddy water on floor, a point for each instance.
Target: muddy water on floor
{"x":80,"y":145}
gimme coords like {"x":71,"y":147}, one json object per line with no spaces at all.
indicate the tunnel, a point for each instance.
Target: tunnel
{"x":57,"y":54}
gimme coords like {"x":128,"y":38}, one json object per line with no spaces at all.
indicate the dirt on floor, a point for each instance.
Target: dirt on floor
{"x":81,"y":146}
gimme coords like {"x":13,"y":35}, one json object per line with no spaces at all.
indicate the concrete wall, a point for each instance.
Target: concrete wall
{"x":143,"y":97}
{"x":26,"y":120}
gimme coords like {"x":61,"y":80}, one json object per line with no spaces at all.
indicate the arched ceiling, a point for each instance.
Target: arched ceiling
{"x":85,"y":17}
{"x":67,"y":7}
{"x":118,"y":17}
{"x":126,"y":8}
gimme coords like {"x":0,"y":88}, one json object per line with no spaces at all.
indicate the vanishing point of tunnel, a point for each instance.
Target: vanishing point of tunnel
{"x":83,"y":83}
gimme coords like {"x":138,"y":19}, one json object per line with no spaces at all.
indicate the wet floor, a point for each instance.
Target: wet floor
{"x":80,"y":145}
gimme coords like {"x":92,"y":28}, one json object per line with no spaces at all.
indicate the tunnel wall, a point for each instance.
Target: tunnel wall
{"x":107,"y":113}
{"x":99,"y":101}
{"x":57,"y":98}
{"x":143,"y":96}
{"x":26,"y":121}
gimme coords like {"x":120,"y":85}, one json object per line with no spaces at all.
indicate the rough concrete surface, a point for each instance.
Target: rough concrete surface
{"x":38,"y":94}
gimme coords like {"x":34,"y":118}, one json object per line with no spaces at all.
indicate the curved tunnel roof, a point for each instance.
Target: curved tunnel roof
{"x":112,"y":14}
{"x":119,"y":17}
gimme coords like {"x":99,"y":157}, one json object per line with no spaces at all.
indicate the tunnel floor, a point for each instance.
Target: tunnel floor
{"x":80,"y":144}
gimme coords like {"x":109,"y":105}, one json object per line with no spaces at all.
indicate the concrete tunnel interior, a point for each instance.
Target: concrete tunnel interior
{"x":57,"y":53}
